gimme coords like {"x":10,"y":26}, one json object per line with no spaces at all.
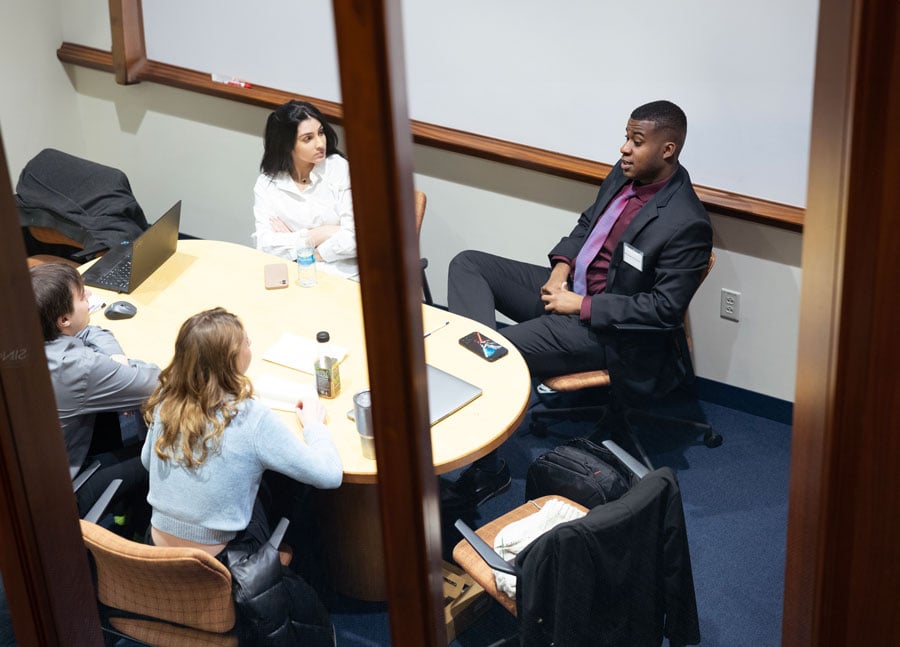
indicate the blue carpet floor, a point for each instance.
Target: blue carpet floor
{"x":735,"y":503}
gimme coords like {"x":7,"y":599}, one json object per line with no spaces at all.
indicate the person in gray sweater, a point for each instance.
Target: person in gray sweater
{"x":209,"y":442}
{"x":91,"y":375}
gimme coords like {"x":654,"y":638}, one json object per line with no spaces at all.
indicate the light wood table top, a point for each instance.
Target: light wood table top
{"x":204,"y":274}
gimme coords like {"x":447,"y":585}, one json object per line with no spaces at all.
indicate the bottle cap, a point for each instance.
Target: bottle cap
{"x":323,"y":337}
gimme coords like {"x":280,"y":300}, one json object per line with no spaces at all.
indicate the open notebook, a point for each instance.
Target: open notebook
{"x":279,"y":394}
{"x":300,"y":353}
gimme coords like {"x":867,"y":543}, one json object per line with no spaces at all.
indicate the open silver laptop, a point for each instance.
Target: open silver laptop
{"x":446,"y":394}
{"x":124,"y":268}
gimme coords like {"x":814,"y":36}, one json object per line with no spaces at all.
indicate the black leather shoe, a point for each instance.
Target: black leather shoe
{"x":476,"y":485}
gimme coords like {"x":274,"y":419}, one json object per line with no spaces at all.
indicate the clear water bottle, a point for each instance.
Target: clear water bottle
{"x":306,"y":260}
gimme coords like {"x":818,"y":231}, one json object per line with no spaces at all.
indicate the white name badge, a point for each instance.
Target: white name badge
{"x":634,"y":257}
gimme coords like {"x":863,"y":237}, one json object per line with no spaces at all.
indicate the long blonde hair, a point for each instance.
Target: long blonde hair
{"x":200,"y":390}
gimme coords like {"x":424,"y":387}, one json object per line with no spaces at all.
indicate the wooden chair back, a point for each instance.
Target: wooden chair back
{"x":171,"y":586}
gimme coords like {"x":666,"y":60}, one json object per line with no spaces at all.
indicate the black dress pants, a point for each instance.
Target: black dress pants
{"x":480,"y":284}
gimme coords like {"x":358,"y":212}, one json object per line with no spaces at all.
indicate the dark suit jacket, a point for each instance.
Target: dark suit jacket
{"x":619,"y":577}
{"x":674,"y":236}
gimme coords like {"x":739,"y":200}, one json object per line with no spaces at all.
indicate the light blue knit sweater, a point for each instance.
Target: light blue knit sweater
{"x":212,"y":503}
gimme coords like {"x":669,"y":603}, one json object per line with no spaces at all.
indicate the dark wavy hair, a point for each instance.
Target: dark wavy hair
{"x":281,"y":135}
{"x":667,"y":116}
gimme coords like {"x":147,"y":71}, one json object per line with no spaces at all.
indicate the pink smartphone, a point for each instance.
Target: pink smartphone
{"x":275,"y":276}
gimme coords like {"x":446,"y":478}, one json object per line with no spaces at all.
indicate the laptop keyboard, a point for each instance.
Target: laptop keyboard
{"x":118,"y":275}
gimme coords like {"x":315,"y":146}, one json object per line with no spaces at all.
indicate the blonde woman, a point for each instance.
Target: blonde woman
{"x":209,"y":442}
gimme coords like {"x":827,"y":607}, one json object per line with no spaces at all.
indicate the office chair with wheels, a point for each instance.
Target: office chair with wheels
{"x":421,"y":200}
{"x":620,"y":575}
{"x":617,"y":405}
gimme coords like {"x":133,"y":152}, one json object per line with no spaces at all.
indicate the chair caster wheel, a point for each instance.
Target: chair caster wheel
{"x":711,"y":439}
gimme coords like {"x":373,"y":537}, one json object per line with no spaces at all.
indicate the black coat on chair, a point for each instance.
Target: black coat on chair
{"x":89,"y":203}
{"x":618,"y":577}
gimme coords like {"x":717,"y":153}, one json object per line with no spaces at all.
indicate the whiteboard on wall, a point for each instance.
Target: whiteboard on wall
{"x":558,"y":76}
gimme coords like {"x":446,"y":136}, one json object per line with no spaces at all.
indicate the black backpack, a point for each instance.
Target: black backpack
{"x":586,"y":473}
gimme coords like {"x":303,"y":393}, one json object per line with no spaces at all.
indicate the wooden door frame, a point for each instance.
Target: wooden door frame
{"x":843,"y":563}
{"x":841,"y":571}
{"x":42,"y":558}
{"x":379,"y":141}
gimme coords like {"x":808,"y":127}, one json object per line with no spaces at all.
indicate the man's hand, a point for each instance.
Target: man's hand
{"x":564,"y":302}
{"x":558,"y":281}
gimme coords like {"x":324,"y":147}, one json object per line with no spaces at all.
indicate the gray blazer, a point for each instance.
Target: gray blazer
{"x":87,"y":381}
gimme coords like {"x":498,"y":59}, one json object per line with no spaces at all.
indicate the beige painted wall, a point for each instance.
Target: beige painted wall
{"x":180,"y":145}
{"x":38,"y":108}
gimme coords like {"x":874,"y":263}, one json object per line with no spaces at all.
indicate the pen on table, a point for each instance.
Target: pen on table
{"x":229,"y":80}
{"x":95,"y":305}
{"x":435,"y":329}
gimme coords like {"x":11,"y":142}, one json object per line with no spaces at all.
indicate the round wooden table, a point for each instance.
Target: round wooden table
{"x":204,"y":274}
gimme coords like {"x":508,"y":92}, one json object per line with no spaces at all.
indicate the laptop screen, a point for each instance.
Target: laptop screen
{"x":155,"y":246}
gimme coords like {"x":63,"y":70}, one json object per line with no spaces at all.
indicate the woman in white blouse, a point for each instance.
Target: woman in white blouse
{"x":305,"y":184}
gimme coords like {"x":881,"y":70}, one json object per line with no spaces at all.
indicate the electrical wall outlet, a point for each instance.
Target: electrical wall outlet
{"x":730,"y":305}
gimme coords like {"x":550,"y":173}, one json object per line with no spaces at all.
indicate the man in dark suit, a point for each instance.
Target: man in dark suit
{"x":636,"y":256}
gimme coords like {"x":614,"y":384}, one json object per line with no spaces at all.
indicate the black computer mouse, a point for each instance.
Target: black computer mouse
{"x":120,"y":310}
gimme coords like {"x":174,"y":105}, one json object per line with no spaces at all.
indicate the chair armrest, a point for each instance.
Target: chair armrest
{"x":278,"y":535}
{"x":627,"y":459}
{"x":626,"y":327}
{"x":426,"y":291}
{"x":84,"y":475}
{"x":99,"y":508}
{"x":484,"y":550}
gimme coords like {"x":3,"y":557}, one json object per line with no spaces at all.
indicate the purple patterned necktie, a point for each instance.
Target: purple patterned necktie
{"x":595,"y":241}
